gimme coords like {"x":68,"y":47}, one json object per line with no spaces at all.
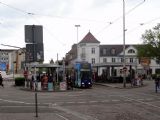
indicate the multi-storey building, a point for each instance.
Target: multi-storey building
{"x":110,"y":58}
{"x":4,"y":58}
{"x":12,"y":60}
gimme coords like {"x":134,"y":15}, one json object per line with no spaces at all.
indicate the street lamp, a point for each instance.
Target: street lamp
{"x":124,"y":30}
{"x":77,"y":26}
{"x":124,"y":57}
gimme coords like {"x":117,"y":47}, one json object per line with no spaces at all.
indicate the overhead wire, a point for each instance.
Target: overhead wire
{"x":139,"y":26}
{"x":17,"y":9}
{"x":60,"y":17}
{"x":143,"y":24}
{"x":30,"y":14}
{"x":120,"y":17}
{"x":48,"y":31}
{"x":7,"y":27}
{"x":108,"y":25}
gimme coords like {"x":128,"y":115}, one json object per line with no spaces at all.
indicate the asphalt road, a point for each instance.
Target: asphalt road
{"x":98,"y":103}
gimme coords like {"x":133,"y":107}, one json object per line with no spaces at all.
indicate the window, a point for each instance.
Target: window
{"x":122,"y":60}
{"x":113,"y":51}
{"x":93,"y":51}
{"x":157,"y":62}
{"x":113,"y":60}
{"x":104,"y":60}
{"x":93,"y":60}
{"x":83,"y":50}
{"x":104,"y":51}
{"x":131,"y":60}
{"x":131,"y":51}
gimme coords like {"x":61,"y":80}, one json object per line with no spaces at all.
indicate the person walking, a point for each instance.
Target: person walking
{"x":1,"y":80}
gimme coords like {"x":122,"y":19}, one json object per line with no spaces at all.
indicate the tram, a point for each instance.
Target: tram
{"x":83,"y":75}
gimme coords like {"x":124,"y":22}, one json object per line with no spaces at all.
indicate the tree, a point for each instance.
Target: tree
{"x":51,"y":61}
{"x":151,"y":44}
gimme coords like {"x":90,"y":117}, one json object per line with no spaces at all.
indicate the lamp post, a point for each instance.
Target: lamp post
{"x":77,"y":26}
{"x":124,"y":57}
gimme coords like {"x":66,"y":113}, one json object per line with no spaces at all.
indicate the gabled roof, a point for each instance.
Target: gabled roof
{"x":89,"y":38}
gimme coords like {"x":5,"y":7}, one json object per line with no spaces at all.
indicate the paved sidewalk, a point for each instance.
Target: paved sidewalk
{"x":128,"y":85}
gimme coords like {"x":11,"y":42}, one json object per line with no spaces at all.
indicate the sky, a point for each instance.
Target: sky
{"x":103,"y":18}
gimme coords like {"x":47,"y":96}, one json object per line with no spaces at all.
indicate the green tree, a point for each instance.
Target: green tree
{"x":151,"y":44}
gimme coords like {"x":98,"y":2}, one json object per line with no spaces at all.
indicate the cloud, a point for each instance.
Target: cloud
{"x":59,"y":17}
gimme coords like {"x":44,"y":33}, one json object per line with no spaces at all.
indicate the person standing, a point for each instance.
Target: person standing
{"x":157,"y":80}
{"x":1,"y":80}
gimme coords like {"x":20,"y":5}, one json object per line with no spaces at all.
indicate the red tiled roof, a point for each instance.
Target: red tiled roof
{"x":89,"y":38}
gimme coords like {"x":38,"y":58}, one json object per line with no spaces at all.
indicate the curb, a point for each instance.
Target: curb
{"x":120,"y":87}
{"x":29,"y":90}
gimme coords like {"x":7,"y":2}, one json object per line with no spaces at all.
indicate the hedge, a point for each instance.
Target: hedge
{"x":19,"y":81}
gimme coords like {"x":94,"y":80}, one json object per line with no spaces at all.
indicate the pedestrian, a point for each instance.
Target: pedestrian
{"x":45,"y":81}
{"x":157,"y":80}
{"x":1,"y":80}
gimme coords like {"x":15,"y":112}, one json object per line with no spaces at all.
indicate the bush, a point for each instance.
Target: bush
{"x":20,"y":81}
{"x":153,"y":76}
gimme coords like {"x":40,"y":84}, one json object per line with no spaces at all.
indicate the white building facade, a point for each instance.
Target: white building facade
{"x":110,"y":57}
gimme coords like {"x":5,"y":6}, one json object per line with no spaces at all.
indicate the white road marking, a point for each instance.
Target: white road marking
{"x":14,"y":101}
{"x":105,"y":101}
{"x":14,"y":106}
{"x":140,"y":99}
{"x":115,"y":100}
{"x":93,"y":101}
{"x":70,"y":102}
{"x":81,"y":102}
{"x":142,"y":102}
{"x":149,"y":99}
{"x":127,"y":100}
{"x":77,"y":114}
{"x":62,"y":116}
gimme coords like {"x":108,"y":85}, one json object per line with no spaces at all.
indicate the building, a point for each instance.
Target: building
{"x":4,"y":59}
{"x":108,"y":59}
{"x":12,"y":60}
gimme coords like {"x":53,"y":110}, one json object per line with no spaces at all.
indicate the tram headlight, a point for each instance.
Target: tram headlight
{"x":82,"y":83}
{"x":89,"y":83}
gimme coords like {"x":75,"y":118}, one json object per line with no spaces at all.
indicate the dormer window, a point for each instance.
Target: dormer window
{"x":113,"y":51}
{"x":104,"y":51}
{"x":131,"y":51}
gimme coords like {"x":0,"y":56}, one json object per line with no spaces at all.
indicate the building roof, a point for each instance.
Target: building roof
{"x":89,"y":38}
{"x":106,"y":50}
{"x":7,"y":50}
